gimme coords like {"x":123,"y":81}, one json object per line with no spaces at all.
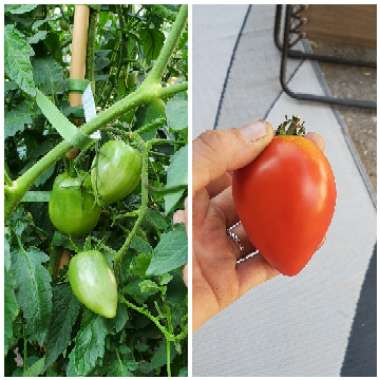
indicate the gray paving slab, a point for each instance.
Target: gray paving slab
{"x":214,"y":34}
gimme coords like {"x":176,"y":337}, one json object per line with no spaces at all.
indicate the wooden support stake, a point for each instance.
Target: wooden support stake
{"x":79,"y":49}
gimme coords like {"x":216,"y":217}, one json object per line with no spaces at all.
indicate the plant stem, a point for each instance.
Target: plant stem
{"x":165,"y":92}
{"x":168,"y":189}
{"x":168,"y":368}
{"x":143,"y":207}
{"x":90,"y":64}
{"x":165,"y":53}
{"x":7,"y":178}
{"x":147,"y":314}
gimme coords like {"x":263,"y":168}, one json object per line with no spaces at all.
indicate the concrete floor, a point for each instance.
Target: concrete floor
{"x":358,"y":82}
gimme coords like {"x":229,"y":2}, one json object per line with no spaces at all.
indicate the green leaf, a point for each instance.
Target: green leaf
{"x":34,"y":293}
{"x":19,"y":9}
{"x":37,"y":37}
{"x":36,"y":196}
{"x":176,"y":113}
{"x":49,"y":76}
{"x":140,"y":264}
{"x":177,"y":175}
{"x":152,"y":41}
{"x":140,"y":245}
{"x":36,"y":369}
{"x":17,"y":53}
{"x":149,"y":287}
{"x":11,"y":309}
{"x":170,"y":253}
{"x":65,"y":313}
{"x":121,"y":318}
{"x":17,"y":118}
{"x":156,"y":219}
{"x":89,"y":345}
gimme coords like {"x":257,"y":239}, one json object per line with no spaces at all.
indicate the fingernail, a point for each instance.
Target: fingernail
{"x":253,"y":132}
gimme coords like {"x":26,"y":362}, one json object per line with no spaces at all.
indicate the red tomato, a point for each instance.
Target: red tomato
{"x":285,"y":200}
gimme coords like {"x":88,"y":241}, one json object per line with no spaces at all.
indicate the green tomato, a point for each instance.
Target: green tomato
{"x":93,"y":283}
{"x":115,"y":171}
{"x":72,"y":206}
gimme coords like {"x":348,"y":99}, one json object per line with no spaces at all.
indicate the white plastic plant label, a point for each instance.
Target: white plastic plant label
{"x":88,"y":103}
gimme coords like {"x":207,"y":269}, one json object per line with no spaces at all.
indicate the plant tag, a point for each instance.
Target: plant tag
{"x":88,"y":103}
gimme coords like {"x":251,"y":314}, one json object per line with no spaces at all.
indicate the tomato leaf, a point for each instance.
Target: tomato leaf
{"x":89,"y":345}
{"x":19,"y":9}
{"x":49,"y":76}
{"x":17,"y":118}
{"x":170,"y":253}
{"x":11,"y":309}
{"x":34,"y":293}
{"x":152,"y":41}
{"x":176,"y":113}
{"x":65,"y":312}
{"x":36,"y":369}
{"x":177,"y":175}
{"x":17,"y":53}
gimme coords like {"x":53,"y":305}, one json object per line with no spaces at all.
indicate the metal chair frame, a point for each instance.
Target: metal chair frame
{"x":292,"y":13}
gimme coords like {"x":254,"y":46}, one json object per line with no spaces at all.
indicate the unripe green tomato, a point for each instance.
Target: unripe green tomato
{"x":72,"y":206}
{"x":93,"y":283}
{"x":115,"y":171}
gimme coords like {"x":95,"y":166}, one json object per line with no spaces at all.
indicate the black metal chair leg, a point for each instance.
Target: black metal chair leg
{"x":294,"y":53}
{"x":304,"y":96}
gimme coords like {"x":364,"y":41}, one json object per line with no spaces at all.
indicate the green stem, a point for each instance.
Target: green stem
{"x":155,"y":74}
{"x":168,"y":368}
{"x":147,"y":314}
{"x":165,"y":92}
{"x":7,"y":177}
{"x":91,"y":48}
{"x":143,"y":207}
{"x":168,"y":189}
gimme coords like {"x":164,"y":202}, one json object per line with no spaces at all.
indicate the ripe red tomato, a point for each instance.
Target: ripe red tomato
{"x":285,"y":200}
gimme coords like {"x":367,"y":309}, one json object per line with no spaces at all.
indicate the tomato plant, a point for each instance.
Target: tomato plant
{"x":72,"y":206}
{"x":286,"y":199}
{"x":95,"y":290}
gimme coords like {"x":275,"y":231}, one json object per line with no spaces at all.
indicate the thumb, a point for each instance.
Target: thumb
{"x":216,"y":152}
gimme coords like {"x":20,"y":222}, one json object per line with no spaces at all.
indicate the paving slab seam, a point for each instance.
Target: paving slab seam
{"x":220,"y":103}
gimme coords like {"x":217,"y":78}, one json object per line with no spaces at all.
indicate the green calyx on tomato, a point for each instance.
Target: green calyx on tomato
{"x":116,"y":171}
{"x":93,"y":283}
{"x":285,"y":199}
{"x":72,"y":206}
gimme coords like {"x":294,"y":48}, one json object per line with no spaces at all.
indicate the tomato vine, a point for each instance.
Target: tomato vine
{"x":129,"y":65}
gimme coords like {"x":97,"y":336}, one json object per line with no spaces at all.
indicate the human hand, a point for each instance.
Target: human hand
{"x":217,"y":279}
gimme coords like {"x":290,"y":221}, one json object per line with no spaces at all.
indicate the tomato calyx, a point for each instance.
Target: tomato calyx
{"x":291,"y":127}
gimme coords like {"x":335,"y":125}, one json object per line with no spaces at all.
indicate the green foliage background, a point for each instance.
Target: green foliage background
{"x":47,"y":331}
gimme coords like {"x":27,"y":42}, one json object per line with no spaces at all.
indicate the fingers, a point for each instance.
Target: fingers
{"x":224,"y":202}
{"x":253,"y":272}
{"x":217,"y":152}
{"x":219,"y":184}
{"x":317,"y":139}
